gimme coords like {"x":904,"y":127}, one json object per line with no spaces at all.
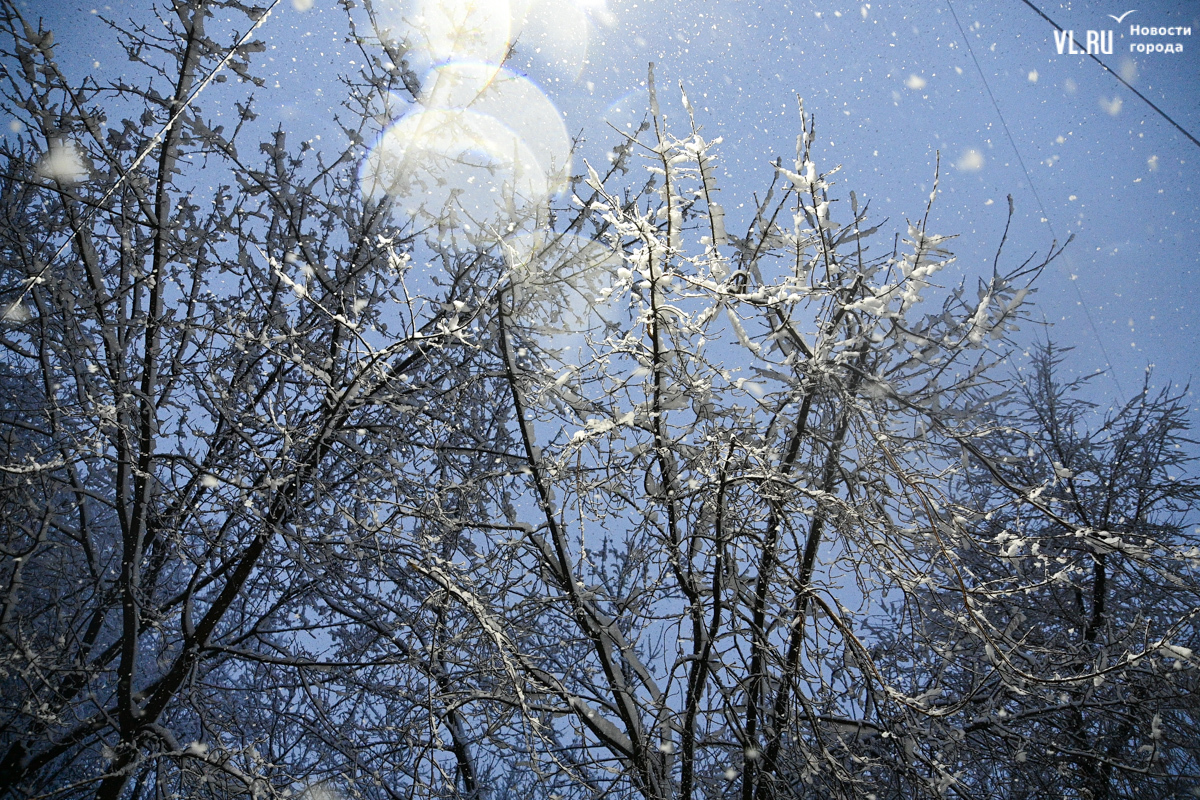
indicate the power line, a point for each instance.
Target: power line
{"x":1045,"y":217}
{"x":33,"y":280}
{"x":1124,"y":82}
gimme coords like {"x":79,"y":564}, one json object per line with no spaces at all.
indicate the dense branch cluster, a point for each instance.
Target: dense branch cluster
{"x":305,"y":494}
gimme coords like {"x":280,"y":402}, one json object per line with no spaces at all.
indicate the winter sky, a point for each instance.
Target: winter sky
{"x":891,"y":85}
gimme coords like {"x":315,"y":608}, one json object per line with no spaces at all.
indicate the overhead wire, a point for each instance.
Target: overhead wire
{"x":1106,"y":68}
{"x":33,"y":280}
{"x":1033,"y":188}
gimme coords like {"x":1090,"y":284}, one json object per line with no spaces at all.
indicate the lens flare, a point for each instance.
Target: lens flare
{"x":478,"y":30}
{"x":441,"y":164}
{"x":627,"y":112}
{"x":512,"y":100}
{"x":485,"y":143}
{"x":481,"y":140}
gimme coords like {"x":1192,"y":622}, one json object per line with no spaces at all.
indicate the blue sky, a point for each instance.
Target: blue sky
{"x":891,"y":86}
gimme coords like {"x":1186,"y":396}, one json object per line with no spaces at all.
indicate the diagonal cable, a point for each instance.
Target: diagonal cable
{"x":33,"y":280}
{"x":1124,"y":82}
{"x":1012,"y":142}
